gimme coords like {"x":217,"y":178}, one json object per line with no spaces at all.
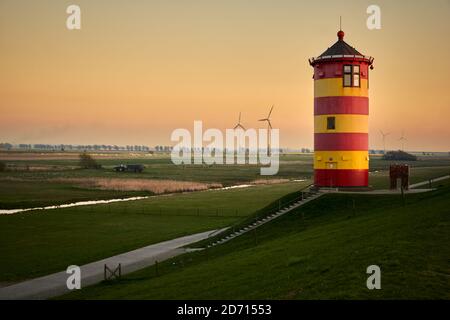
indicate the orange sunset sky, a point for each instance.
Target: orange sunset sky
{"x":139,"y":69}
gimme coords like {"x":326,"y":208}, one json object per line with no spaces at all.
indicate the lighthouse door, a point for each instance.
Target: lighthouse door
{"x":331,"y":173}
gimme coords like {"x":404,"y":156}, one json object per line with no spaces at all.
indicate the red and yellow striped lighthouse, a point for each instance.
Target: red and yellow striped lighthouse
{"x":341,"y":111}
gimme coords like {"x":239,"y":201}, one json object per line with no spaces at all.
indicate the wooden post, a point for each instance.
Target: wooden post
{"x":156,"y":268}
{"x":403,"y":195}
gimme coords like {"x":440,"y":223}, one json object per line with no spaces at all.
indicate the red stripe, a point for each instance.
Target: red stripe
{"x":341,"y":178}
{"x":341,"y":141}
{"x":335,"y":69}
{"x":341,"y":105}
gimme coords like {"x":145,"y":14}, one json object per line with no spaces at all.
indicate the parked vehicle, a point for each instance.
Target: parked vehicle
{"x":129,"y":168}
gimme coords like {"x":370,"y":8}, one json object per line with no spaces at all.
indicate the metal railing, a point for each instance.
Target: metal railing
{"x":265,"y":212}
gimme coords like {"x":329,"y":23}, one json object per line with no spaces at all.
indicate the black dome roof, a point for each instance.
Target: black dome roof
{"x":340,"y":47}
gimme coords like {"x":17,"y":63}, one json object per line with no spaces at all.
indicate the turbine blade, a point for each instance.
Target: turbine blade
{"x":270,"y":112}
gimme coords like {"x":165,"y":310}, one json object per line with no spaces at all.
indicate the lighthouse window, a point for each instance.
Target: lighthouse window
{"x":331,"y":123}
{"x":347,"y":76}
{"x":356,"y":76}
{"x":352,"y":76}
{"x":356,"y":80}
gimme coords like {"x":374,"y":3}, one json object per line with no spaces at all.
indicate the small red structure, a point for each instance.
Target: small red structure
{"x":399,"y":171}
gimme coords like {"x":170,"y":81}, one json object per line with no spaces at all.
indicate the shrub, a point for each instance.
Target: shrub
{"x":399,"y":156}
{"x":2,"y":166}
{"x":88,"y":162}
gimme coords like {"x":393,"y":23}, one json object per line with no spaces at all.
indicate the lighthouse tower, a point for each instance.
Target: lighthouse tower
{"x":341,"y":111}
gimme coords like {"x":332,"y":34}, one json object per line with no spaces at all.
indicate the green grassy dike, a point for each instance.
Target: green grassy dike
{"x":319,"y":251}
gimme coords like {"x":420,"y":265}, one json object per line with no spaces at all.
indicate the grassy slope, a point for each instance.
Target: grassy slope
{"x":34,"y":244}
{"x":322,"y":255}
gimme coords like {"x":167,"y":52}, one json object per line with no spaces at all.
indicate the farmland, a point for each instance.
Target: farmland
{"x":49,"y":241}
{"x":182,"y":201}
{"x":48,"y":179}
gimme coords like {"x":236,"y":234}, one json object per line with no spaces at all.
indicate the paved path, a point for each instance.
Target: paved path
{"x":55,"y":284}
{"x":423,"y":183}
{"x":372,"y":192}
{"x":412,"y":188}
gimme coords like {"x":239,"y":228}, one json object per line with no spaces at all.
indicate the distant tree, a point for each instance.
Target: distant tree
{"x":88,"y":162}
{"x":2,"y":166}
{"x":399,"y":156}
{"x":6,"y":145}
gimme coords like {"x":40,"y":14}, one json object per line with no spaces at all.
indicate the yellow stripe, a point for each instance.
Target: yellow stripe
{"x":343,"y":123}
{"x":341,"y":160}
{"x":332,"y":87}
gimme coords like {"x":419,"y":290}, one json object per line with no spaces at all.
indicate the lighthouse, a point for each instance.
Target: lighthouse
{"x":341,"y":111}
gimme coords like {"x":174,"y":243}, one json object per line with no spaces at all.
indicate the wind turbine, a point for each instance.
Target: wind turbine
{"x":384,"y":140}
{"x":269,"y":129}
{"x":239,"y":125}
{"x":403,"y":139}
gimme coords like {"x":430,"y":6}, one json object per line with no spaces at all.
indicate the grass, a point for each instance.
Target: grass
{"x":42,"y":242}
{"x":26,"y":194}
{"x":23,"y":188}
{"x":320,"y":251}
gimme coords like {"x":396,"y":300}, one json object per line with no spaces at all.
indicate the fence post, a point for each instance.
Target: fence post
{"x":403,"y":195}
{"x":156,"y":268}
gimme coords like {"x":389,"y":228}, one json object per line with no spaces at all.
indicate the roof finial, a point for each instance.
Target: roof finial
{"x":341,"y":33}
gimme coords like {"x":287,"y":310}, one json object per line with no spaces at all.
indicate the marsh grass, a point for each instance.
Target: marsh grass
{"x":156,"y":186}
